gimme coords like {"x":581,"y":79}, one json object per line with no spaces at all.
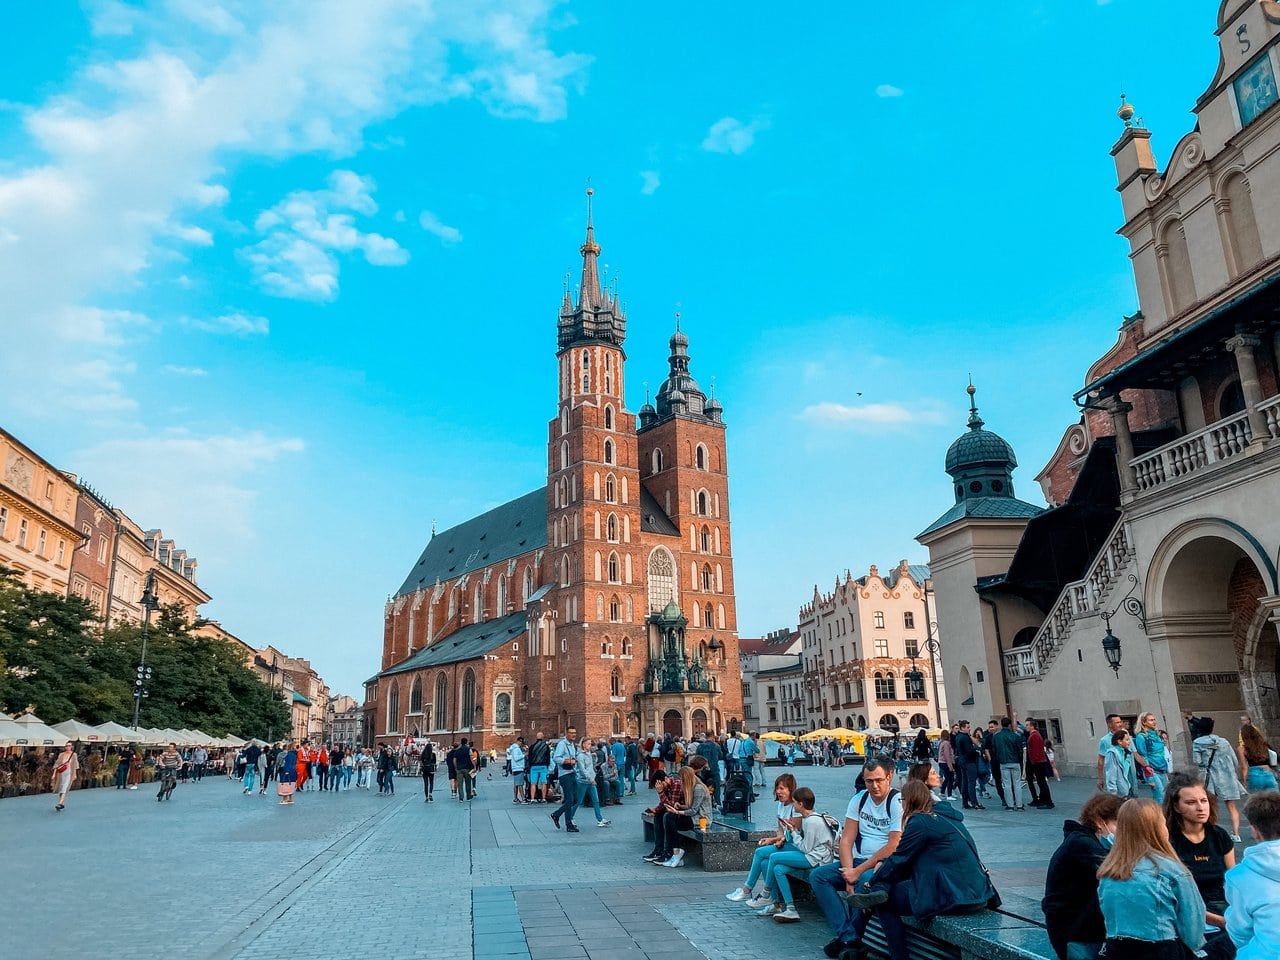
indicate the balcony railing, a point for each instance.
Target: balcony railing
{"x":1199,"y":451}
{"x":1078,"y":599}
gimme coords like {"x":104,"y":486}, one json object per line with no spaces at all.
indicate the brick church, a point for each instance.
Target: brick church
{"x":604,"y":599}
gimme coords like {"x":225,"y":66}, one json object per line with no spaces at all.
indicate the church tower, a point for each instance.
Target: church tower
{"x":593,"y":512}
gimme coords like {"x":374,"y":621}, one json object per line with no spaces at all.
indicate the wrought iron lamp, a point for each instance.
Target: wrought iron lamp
{"x":1131,"y":605}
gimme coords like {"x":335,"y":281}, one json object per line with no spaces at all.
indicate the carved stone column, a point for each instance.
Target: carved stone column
{"x":1242,"y":346}
{"x":1120,"y":411}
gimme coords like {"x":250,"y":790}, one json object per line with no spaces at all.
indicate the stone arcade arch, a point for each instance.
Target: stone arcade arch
{"x":1210,"y":596}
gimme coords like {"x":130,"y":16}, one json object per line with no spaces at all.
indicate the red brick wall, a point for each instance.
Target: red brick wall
{"x":87,"y":571}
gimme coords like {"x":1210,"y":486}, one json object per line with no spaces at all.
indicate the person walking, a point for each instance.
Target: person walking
{"x":428,"y":761}
{"x":565,"y":758}
{"x":271,"y":758}
{"x":631,"y":769}
{"x":135,"y":766}
{"x":1255,"y":757}
{"x":1115,"y":723}
{"x":585,"y":770}
{"x":364,"y":767}
{"x":1149,"y":745}
{"x":946,"y":765}
{"x":1217,"y":762}
{"x":1039,"y":766}
{"x":66,"y":765}
{"x":387,"y":766}
{"x":287,"y":774}
{"x":463,"y":767}
{"x":199,"y":760}
{"x":1149,"y":901}
{"x":122,"y":767}
{"x":538,"y":761}
{"x":252,"y":756}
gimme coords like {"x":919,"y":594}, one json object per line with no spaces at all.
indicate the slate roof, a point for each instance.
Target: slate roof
{"x":786,"y":668}
{"x":919,"y":574}
{"x":984,"y":508}
{"x":515,"y":528}
{"x":653,"y":519}
{"x":470,"y":643}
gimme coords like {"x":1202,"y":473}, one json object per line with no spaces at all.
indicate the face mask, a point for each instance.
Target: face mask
{"x":1108,"y":839}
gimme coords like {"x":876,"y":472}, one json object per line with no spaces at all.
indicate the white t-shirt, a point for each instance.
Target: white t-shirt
{"x":785,"y":812}
{"x":876,"y":822}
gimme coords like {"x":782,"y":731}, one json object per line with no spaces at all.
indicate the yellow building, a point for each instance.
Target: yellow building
{"x":37,"y":517}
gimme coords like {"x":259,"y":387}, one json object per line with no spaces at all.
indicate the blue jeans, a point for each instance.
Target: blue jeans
{"x":1260,"y":778}
{"x":828,"y":884}
{"x":569,"y":806}
{"x":760,"y":863}
{"x":630,"y":773}
{"x":250,"y":776}
{"x":781,"y":864}
{"x":389,"y":781}
{"x":589,"y":792}
{"x":1159,"y":783}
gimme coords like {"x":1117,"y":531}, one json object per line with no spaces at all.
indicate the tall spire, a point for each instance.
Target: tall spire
{"x":975,"y":421}
{"x":589,"y":295}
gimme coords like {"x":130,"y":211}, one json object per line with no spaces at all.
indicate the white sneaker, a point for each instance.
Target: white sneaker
{"x":768,"y":911}
{"x":676,"y":860}
{"x":755,"y":903}
{"x":738,"y":895}
{"x":602,"y":823}
{"x":788,"y":915}
{"x":1235,"y":838}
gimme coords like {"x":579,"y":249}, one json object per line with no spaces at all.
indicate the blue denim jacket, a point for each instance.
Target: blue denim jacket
{"x":1160,"y":902}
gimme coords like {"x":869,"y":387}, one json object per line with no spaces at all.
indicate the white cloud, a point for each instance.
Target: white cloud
{"x":212,"y":509}
{"x":234,"y":323}
{"x":185,"y":371}
{"x":431,"y":223}
{"x":867,"y":415}
{"x":189,"y":91}
{"x":888,"y":90}
{"x":650,"y":182}
{"x":731,"y":135}
{"x":305,"y":232}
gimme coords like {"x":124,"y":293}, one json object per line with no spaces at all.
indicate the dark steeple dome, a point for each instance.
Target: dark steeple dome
{"x":598,"y":316}
{"x":680,"y":393}
{"x":980,"y":462}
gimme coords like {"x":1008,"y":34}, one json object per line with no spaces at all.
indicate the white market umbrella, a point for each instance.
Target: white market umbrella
{"x":75,"y":730}
{"x":115,"y":731}
{"x":877,"y":732}
{"x":234,"y":741}
{"x":10,"y":732}
{"x":36,"y":733}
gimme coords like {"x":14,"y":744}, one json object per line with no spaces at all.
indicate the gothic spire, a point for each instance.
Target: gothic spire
{"x":589,"y":295}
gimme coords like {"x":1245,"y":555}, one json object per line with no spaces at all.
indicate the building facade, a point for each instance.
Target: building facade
{"x":345,"y":721}
{"x":862,"y":646}
{"x":755,"y":656}
{"x":91,"y":562}
{"x":780,"y":692}
{"x":38,"y":532}
{"x":604,"y":599}
{"x":1161,"y":538}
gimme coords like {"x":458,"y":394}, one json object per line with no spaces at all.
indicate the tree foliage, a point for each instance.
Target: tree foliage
{"x":55,"y":658}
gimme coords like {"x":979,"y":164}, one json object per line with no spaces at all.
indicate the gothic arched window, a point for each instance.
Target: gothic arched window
{"x":700,"y":457}
{"x":702,"y":504}
{"x":608,"y":451}
{"x":615,"y":609}
{"x":502,"y":596}
{"x":586,"y":372}
{"x":415,"y":696}
{"x":528,"y":583}
{"x":608,"y":418}
{"x":707,"y":616}
{"x":611,"y":529}
{"x":706,"y":538}
{"x":467,"y":713}
{"x":393,"y":709}
{"x":706,"y":578}
{"x":615,"y":683}
{"x":662,"y":578}
{"x":610,"y":490}
{"x":657,"y":460}
{"x":613,"y":568}
{"x":442,"y":702}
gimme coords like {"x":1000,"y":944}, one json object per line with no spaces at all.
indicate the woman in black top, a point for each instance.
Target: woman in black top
{"x":922,"y":750}
{"x":1071,"y":911}
{"x":429,"y":772}
{"x":1204,"y":848}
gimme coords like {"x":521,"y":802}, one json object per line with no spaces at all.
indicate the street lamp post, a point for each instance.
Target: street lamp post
{"x":916,"y":678}
{"x":149,"y":602}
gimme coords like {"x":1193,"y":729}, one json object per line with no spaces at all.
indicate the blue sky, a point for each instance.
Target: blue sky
{"x":285,"y":283}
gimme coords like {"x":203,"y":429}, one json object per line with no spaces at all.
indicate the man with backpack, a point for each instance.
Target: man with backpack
{"x":464,"y":765}
{"x":538,"y":761}
{"x":870,"y":833}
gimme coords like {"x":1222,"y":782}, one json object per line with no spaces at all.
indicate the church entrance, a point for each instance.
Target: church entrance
{"x":699,"y":721}
{"x":673,"y":723}
{"x":1216,"y":598}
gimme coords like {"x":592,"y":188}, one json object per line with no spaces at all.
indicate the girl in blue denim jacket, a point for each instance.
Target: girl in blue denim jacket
{"x":1149,"y":902}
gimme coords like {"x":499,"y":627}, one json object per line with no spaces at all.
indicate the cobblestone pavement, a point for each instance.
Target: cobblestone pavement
{"x":217,"y":875}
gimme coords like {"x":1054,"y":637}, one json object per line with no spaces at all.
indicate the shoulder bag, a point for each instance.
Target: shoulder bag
{"x":993,"y":897}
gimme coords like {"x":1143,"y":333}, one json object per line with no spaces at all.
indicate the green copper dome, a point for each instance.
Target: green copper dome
{"x":980,"y":462}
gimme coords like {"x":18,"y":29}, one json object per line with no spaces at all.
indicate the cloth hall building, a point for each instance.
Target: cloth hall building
{"x":604,"y":599}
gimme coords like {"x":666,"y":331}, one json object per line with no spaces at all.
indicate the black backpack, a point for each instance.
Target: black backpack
{"x":669,"y":750}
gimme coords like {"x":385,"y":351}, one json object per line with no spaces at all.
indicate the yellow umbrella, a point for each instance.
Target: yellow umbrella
{"x":816,"y":734}
{"x":844,"y":733}
{"x":777,"y":735}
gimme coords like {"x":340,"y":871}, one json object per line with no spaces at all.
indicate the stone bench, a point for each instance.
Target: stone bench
{"x":1014,"y":932}
{"x":719,"y":848}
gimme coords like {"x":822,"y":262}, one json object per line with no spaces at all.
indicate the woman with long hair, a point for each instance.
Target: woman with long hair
{"x":428,"y":771}
{"x":287,"y":773}
{"x":947,"y":764}
{"x":1204,"y":848}
{"x":784,"y":787}
{"x":921,"y":749}
{"x":1072,"y":916}
{"x":934,"y":870}
{"x":1149,"y":745}
{"x":1150,"y":903}
{"x":1255,"y":757}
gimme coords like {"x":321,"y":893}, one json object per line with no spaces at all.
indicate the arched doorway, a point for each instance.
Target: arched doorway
{"x":1211,"y":593}
{"x":699,"y":719}
{"x":673,"y":723}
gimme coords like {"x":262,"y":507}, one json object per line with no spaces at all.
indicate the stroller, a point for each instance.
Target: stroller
{"x":738,"y":794}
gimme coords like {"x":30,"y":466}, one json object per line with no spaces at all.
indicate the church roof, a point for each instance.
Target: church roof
{"x":653,"y":519}
{"x":984,"y":508}
{"x":517,"y":527}
{"x":470,"y":643}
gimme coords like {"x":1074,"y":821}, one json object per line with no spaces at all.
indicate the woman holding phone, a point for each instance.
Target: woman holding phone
{"x":784,"y":789}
